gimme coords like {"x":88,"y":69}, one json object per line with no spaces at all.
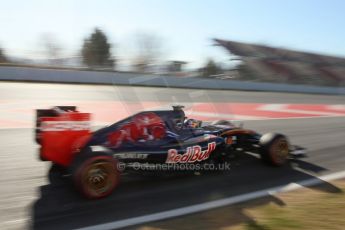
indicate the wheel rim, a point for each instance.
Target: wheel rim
{"x":99,"y":178}
{"x":280,"y":151}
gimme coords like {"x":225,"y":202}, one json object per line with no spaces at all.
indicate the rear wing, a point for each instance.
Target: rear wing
{"x":44,"y":113}
{"x":58,"y":131}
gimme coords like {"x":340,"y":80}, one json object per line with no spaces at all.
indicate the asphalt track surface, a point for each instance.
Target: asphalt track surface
{"x":29,"y":200}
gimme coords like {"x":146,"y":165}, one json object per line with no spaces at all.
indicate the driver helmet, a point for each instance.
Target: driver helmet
{"x":191,"y":123}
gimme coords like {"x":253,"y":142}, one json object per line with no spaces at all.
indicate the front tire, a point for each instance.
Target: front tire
{"x":95,"y":175}
{"x":274,"y":149}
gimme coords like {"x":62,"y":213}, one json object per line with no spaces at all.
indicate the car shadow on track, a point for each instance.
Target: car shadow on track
{"x":60,"y":207}
{"x":220,"y":218}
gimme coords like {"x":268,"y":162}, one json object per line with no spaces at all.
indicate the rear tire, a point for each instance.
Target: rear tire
{"x":95,"y":174}
{"x":274,"y":149}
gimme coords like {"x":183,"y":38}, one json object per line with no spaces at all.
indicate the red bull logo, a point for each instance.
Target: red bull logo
{"x":193,"y":154}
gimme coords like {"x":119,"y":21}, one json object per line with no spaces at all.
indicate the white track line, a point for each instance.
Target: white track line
{"x":336,"y":107}
{"x":214,"y":204}
{"x":285,"y":109}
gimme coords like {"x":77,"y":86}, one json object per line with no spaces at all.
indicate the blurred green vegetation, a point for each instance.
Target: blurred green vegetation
{"x":308,"y":208}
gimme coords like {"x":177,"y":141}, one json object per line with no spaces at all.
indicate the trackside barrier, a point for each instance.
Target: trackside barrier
{"x":118,"y":78}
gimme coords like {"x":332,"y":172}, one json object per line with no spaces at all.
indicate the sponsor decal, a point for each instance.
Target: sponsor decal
{"x":130,"y":155}
{"x":193,"y":154}
{"x":65,"y":125}
{"x":98,"y":148}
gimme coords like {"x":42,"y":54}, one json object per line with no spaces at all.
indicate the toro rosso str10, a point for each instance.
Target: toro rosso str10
{"x":149,"y":137}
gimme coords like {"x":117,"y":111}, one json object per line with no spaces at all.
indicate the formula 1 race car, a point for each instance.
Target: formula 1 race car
{"x":149,"y":137}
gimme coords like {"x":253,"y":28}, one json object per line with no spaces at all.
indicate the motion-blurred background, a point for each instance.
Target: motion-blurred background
{"x":296,"y":42}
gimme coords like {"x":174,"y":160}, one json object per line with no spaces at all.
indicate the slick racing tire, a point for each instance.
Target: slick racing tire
{"x":274,"y":149}
{"x":95,"y":174}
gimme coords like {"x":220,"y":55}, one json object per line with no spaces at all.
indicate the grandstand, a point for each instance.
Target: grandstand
{"x":270,"y":64}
